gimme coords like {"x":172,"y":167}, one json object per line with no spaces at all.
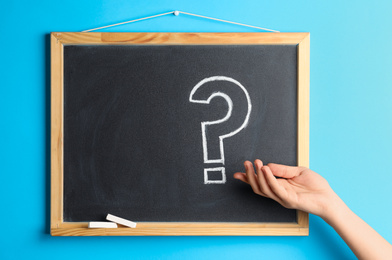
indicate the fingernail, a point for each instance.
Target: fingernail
{"x":257,"y":163}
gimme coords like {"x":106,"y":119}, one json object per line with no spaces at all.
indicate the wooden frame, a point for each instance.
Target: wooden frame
{"x":58,"y":40}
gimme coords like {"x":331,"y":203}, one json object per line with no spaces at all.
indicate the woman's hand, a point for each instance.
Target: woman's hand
{"x":296,"y":187}
{"x":301,"y":188}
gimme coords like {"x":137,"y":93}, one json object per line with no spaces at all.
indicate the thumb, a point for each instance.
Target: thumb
{"x":284,"y":171}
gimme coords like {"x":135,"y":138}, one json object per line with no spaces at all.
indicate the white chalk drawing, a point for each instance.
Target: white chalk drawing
{"x":225,"y":118}
{"x":216,"y":169}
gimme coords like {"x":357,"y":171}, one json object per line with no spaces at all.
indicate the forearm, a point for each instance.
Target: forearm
{"x":363,"y":240}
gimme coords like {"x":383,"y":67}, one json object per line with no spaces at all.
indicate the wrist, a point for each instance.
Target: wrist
{"x":334,"y":209}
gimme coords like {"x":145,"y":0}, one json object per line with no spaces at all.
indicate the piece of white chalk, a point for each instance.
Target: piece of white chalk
{"x":121,"y":221}
{"x":102,"y":225}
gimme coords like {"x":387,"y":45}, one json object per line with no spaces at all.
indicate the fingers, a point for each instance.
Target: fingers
{"x":261,"y":180}
{"x":258,"y":182}
{"x":284,"y":171}
{"x":252,"y":178}
{"x":264,"y":184}
{"x":278,"y":190}
{"x":241,"y":176}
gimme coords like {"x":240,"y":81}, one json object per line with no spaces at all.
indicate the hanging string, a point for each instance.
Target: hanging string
{"x":176,"y":13}
{"x":132,"y":21}
{"x":225,"y":21}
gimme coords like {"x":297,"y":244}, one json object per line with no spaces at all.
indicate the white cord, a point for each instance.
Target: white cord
{"x":225,"y":21}
{"x":145,"y":18}
{"x":176,"y":13}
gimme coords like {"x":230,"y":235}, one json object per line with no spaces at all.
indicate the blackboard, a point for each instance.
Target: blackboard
{"x":133,"y":141}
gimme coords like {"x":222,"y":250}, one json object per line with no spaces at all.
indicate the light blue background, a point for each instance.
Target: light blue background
{"x":350,"y":119}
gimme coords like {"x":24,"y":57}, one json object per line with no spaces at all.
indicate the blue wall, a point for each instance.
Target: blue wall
{"x":350,"y":135}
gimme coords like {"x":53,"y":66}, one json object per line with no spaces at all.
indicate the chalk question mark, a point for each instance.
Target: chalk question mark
{"x":205,"y":124}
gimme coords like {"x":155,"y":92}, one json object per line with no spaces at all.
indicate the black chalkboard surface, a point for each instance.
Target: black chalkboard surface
{"x":154,"y":133}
